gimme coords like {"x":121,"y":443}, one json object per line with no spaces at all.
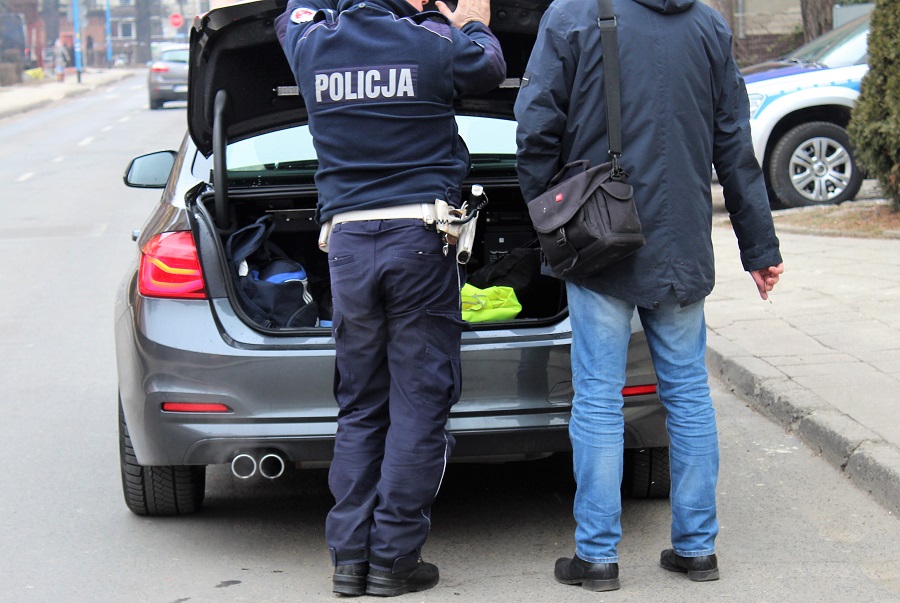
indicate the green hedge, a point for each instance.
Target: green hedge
{"x":875,"y":124}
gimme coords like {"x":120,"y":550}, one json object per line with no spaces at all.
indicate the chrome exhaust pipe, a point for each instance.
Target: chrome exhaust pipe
{"x":243,"y":466}
{"x":271,"y":466}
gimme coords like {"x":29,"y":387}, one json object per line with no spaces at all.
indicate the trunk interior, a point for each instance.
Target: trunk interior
{"x":505,"y":253}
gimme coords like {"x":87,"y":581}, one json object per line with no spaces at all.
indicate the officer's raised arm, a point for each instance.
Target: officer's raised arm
{"x":466,"y":12}
{"x":478,"y":63}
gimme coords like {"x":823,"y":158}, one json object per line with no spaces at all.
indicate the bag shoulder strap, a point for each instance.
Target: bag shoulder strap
{"x":607,"y":23}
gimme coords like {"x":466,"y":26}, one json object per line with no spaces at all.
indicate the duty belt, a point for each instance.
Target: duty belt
{"x":427,"y":212}
{"x":456,"y":226}
{"x":422,"y":211}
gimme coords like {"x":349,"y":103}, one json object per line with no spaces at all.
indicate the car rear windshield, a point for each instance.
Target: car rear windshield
{"x":289,"y":154}
{"x":174,"y":56}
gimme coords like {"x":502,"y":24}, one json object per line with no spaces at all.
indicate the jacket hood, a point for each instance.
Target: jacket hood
{"x":667,"y":6}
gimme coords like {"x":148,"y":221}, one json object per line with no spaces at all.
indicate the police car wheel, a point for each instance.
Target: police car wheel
{"x":158,"y":490}
{"x":813,"y":164}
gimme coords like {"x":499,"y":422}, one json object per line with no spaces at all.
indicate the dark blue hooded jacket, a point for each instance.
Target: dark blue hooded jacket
{"x":684,"y":109}
{"x":378,"y":79}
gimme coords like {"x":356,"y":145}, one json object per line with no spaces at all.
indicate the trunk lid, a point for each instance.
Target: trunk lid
{"x":235,"y":57}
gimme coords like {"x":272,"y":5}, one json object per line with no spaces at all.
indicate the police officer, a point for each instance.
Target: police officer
{"x":378,"y":79}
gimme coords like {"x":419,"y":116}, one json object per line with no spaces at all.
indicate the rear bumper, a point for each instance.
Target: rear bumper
{"x":169,"y":92}
{"x":478,"y":444}
{"x":547,"y":433}
{"x":515,"y":397}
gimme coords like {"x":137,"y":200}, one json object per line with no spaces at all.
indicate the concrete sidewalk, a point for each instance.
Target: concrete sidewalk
{"x":34,"y":94}
{"x":822,"y":359}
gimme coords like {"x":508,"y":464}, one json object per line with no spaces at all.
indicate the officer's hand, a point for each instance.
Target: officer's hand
{"x":467,"y":11}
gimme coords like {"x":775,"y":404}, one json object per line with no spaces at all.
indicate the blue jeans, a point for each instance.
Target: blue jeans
{"x":601,"y":329}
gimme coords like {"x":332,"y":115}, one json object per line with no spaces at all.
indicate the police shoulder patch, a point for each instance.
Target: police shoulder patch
{"x":303,"y":15}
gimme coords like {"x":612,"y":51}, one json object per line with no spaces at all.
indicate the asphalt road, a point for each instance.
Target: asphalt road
{"x":792,"y":528}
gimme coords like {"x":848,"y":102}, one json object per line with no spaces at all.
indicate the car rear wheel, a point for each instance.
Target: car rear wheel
{"x":813,"y":164}
{"x":155,"y":103}
{"x":158,"y":490}
{"x":646,"y":473}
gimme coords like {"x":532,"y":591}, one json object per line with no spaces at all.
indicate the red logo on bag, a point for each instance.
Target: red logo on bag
{"x":559,"y":197}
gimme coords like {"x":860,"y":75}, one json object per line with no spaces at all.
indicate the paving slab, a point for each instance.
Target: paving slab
{"x":823,"y":359}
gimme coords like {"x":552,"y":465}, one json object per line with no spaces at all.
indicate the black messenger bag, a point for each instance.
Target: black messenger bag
{"x":588,"y":221}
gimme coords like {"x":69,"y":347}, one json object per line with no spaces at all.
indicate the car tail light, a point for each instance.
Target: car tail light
{"x":194,"y":407}
{"x":170,"y":267}
{"x":159,"y":68}
{"x":639,"y":390}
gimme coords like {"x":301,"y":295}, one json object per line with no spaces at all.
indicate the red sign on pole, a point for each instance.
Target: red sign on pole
{"x":176,"y":20}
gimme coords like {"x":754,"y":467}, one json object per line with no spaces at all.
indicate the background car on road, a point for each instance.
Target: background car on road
{"x":203,"y":383}
{"x":800,"y":106}
{"x":168,"y":76}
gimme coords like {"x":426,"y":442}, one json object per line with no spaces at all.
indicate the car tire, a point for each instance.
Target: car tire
{"x":646,"y":473}
{"x":155,"y":104}
{"x":158,"y":490}
{"x":813,"y":164}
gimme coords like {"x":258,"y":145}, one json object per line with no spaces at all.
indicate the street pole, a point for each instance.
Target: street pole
{"x":76,"y":23}
{"x":109,"y":53}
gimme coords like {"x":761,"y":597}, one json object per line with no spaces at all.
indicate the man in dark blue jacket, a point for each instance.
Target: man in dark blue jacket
{"x":378,"y":79}
{"x":684,"y":109}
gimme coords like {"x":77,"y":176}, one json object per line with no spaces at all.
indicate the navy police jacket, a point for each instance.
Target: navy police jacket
{"x":684,"y":109}
{"x":378,"y":79}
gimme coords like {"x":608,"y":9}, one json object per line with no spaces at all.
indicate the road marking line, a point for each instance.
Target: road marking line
{"x":58,"y":159}
{"x":106,"y":128}
{"x":86,"y":141}
{"x":122,"y":120}
{"x":24,"y":176}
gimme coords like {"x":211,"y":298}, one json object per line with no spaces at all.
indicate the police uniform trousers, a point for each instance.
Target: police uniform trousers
{"x":397,"y":329}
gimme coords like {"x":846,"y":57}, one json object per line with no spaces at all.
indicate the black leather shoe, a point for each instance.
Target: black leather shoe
{"x":595,"y":577}
{"x":698,"y":569}
{"x":350,"y":579}
{"x":381,"y":583}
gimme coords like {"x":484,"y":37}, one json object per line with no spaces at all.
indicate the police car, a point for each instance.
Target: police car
{"x":800,"y":106}
{"x":202,"y":382}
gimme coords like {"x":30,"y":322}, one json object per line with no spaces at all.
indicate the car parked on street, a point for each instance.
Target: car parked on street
{"x":167,"y":79}
{"x":203,"y":383}
{"x":800,"y":106}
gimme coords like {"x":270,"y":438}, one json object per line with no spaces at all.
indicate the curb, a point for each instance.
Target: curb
{"x":4,"y":113}
{"x":108,"y":78}
{"x":870,"y":462}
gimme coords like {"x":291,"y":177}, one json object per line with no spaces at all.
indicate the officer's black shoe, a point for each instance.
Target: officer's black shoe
{"x":595,"y":577}
{"x":350,"y":579}
{"x":382,"y":583}
{"x":698,"y":569}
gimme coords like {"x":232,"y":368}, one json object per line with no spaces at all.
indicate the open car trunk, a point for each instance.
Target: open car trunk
{"x":241,"y":86}
{"x":505,"y":253}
